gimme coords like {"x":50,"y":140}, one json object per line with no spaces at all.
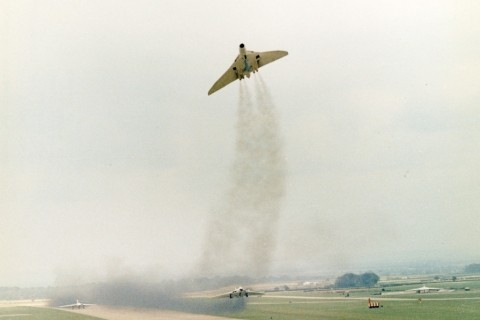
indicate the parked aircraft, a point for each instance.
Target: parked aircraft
{"x":245,"y":63}
{"x":425,"y":289}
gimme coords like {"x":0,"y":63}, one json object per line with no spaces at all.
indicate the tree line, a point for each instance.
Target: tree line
{"x":473,"y":268}
{"x":351,"y":280}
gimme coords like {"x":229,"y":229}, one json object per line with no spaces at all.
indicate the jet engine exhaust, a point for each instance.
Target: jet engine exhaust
{"x":241,"y":234}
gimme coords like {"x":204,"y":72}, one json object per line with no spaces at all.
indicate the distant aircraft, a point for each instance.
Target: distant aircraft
{"x":245,"y":63}
{"x":239,"y":292}
{"x":425,"y":289}
{"x":77,"y":305}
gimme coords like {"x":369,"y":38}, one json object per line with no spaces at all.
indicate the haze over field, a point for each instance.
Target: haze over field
{"x":113,"y":159}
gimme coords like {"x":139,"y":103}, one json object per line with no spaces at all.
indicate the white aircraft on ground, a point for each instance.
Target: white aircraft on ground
{"x":239,"y":292}
{"x":77,"y":305}
{"x":245,"y":63}
{"x":425,"y":289}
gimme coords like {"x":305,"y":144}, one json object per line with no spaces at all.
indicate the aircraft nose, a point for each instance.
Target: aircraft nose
{"x":242,"y":45}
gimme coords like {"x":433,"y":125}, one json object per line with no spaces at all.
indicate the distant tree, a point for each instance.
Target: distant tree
{"x":436,"y":278}
{"x":454,"y":278}
{"x":473,"y":268}
{"x":369,"y":279}
{"x":350,"y":280}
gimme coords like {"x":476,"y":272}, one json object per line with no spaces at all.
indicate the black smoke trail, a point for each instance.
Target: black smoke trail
{"x":242,"y":233}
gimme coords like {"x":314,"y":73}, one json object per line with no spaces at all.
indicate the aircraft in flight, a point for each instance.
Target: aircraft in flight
{"x":239,"y":292}
{"x":77,"y":305}
{"x":245,"y":63}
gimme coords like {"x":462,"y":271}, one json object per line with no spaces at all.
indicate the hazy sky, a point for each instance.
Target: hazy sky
{"x":112,"y":156}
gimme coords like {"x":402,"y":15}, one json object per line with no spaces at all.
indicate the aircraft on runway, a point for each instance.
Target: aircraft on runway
{"x":245,"y":63}
{"x":239,"y":292}
{"x":77,"y":305}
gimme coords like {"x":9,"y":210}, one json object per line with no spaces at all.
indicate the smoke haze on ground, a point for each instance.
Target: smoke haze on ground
{"x":135,"y":292}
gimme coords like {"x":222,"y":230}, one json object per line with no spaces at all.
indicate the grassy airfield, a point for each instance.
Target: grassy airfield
{"x":357,"y":309}
{"x":458,"y":304}
{"x":308,"y":308}
{"x":39,"y":313}
{"x":453,"y":303}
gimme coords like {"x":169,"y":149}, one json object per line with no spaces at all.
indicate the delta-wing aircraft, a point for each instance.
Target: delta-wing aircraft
{"x":425,"y":289}
{"x":77,"y":305}
{"x":239,"y":292}
{"x":245,"y":63}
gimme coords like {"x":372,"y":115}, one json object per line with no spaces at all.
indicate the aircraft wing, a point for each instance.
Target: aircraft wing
{"x":228,"y":77}
{"x":269,"y":56}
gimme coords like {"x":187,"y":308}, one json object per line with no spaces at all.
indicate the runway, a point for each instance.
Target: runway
{"x":122,"y":313}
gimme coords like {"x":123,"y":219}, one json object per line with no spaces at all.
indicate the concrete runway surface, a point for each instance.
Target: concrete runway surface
{"x":122,"y":313}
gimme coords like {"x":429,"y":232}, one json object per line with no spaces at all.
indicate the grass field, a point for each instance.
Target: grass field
{"x":357,"y":309}
{"x":37,"y":313}
{"x":299,"y":308}
{"x":327,"y":304}
{"x":458,"y":304}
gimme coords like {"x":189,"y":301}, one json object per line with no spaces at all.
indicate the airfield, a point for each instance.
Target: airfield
{"x":97,"y":312}
{"x":396,"y":302}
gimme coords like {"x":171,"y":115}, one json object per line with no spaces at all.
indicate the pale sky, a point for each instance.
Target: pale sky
{"x":112,"y":156}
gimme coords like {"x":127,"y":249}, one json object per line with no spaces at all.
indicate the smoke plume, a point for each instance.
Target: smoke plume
{"x":241,"y":236}
{"x":128,"y":292}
